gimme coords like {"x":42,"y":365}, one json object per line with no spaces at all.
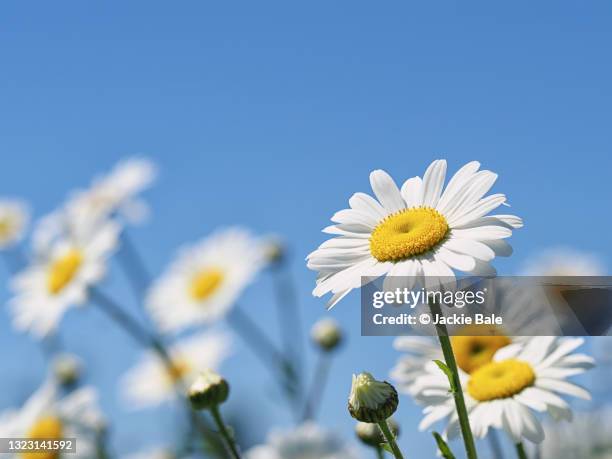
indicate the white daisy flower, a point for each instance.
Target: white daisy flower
{"x":564,"y":262}
{"x":47,"y":416}
{"x":14,"y":217}
{"x":205,"y":280}
{"x":150,"y":382}
{"x":421,"y":231}
{"x":504,"y":393}
{"x":475,"y":345}
{"x":60,"y":277}
{"x":589,"y":436}
{"x":307,"y":441}
{"x":117,"y":192}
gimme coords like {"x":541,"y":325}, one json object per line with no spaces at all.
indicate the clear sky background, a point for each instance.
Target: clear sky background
{"x":270,"y":115}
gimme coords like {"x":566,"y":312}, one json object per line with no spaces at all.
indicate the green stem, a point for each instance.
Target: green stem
{"x":384,"y":427}
{"x":317,"y":388}
{"x":379,"y":453}
{"x":223,"y":430}
{"x":520,"y":451}
{"x":449,"y":357}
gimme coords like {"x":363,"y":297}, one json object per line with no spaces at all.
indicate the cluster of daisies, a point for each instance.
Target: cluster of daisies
{"x":423,"y":233}
{"x":70,"y":253}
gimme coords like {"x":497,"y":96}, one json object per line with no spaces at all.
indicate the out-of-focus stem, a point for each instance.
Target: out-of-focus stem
{"x":223,"y":430}
{"x":317,"y":387}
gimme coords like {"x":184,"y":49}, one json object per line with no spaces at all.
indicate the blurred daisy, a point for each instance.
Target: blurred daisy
{"x":421,"y":232}
{"x":60,"y":277}
{"x":589,"y":436}
{"x":563,"y":261}
{"x":46,"y":416}
{"x":504,"y":393}
{"x":150,"y":382}
{"x":307,"y":441}
{"x":205,"y":280}
{"x":117,"y":192}
{"x":153,"y":453}
{"x":14,"y":217}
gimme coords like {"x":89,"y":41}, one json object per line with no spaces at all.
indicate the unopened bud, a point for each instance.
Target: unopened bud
{"x":67,"y":369}
{"x":327,"y":334}
{"x":371,"y":435}
{"x":275,"y":250}
{"x":208,"y":390}
{"x":371,"y":400}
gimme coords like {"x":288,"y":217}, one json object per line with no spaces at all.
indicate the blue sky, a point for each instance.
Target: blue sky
{"x":271,"y":114}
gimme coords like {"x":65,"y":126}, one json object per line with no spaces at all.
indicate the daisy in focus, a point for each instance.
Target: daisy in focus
{"x":307,"y":441}
{"x":206,"y":279}
{"x":504,"y":393}
{"x":46,"y":416}
{"x":151,"y":382}
{"x":59,"y":277}
{"x":475,"y":345}
{"x":423,"y":231}
{"x":14,"y":217}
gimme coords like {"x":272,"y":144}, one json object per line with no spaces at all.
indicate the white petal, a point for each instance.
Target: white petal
{"x":386,"y":191}
{"x":433,"y":182}
{"x":412,"y":192}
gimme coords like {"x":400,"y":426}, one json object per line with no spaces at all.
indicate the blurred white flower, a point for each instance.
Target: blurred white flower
{"x":117,"y":192}
{"x":110,"y":196}
{"x":564,"y":261}
{"x":153,"y":453}
{"x":503,"y":393}
{"x":14,"y":217}
{"x":47,"y":416}
{"x":422,"y":232}
{"x":307,"y":441}
{"x":151,"y":382}
{"x":588,"y":436}
{"x":205,"y":280}
{"x":59,"y":278}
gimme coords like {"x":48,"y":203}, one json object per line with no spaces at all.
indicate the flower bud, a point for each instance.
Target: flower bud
{"x":67,"y":369}
{"x":274,"y":250}
{"x":371,"y":435}
{"x":208,"y":390}
{"x":371,"y":400}
{"x":326,"y":334}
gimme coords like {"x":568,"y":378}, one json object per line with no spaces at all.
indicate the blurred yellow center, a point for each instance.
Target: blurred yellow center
{"x":180,"y":368}
{"x":205,"y":283}
{"x":6,"y":228}
{"x":475,"y":345}
{"x":497,"y":380}
{"x":45,"y":428}
{"x":63,"y":270}
{"x":407,"y":233}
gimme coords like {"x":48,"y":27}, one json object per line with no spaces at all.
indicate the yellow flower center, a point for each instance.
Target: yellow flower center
{"x":6,"y":229}
{"x":180,"y":368}
{"x":497,"y":380}
{"x":407,"y":233}
{"x":205,"y":283}
{"x":45,"y":428}
{"x":63,"y":270}
{"x":475,"y":345}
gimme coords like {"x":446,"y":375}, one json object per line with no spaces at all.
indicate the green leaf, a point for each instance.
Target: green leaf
{"x":443,"y":447}
{"x":449,"y":374}
{"x":386,"y":447}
